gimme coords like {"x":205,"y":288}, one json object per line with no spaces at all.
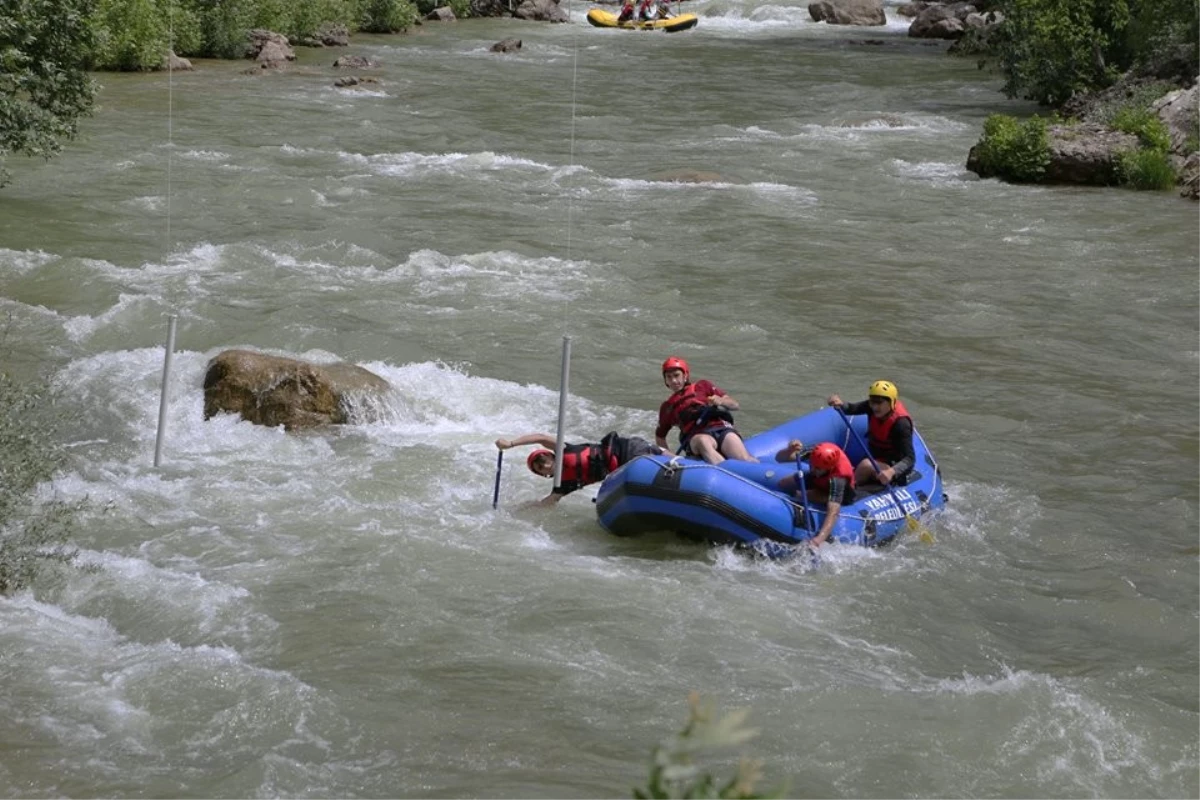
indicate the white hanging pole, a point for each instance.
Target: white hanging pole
{"x":562,"y":410}
{"x":162,"y":403}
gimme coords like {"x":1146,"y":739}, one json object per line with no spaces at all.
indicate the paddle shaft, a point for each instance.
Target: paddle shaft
{"x":496,"y":491}
{"x":808,"y":522}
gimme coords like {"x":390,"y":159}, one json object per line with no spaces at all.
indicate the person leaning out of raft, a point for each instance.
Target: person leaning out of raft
{"x":889,"y":434}
{"x":701,"y":410}
{"x":830,"y":481}
{"x":583,"y":464}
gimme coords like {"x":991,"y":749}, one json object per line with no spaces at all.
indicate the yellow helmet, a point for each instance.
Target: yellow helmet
{"x":883,"y":389}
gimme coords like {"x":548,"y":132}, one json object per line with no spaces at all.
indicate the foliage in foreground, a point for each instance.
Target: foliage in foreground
{"x":33,"y":533}
{"x":44,"y":86}
{"x":1014,"y":150}
{"x":674,"y":773}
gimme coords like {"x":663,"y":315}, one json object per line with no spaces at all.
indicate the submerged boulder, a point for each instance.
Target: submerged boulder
{"x":272,"y":390}
{"x":507,"y":46}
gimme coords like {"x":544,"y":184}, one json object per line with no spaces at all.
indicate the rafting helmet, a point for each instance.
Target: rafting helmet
{"x":883,"y":389}
{"x":675,"y":362}
{"x":825,"y":456}
{"x":535,"y":455}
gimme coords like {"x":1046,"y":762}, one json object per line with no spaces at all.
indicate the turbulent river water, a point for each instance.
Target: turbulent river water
{"x":782,"y":203}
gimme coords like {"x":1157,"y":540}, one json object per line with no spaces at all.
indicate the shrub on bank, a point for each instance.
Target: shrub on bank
{"x":1146,"y":169}
{"x":136,"y":34}
{"x":386,"y":16}
{"x":1014,"y":150}
{"x":1144,"y":124}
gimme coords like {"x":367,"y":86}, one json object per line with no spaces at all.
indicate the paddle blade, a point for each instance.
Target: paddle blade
{"x":923,"y":533}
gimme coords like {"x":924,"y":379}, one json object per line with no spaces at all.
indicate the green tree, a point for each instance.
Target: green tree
{"x":45,"y":46}
{"x":1049,"y":50}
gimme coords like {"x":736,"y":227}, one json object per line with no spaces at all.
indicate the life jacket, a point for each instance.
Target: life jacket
{"x":584,"y":464}
{"x":879,"y":433}
{"x":693,"y":413}
{"x":842,"y":469}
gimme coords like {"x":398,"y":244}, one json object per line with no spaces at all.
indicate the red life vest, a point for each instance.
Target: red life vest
{"x":879,"y":433}
{"x":687,"y":408}
{"x":584,"y":464}
{"x":842,"y":469}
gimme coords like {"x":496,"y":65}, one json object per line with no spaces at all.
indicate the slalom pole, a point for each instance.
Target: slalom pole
{"x":564,"y":382}
{"x":166,"y":380}
{"x":496,"y":491}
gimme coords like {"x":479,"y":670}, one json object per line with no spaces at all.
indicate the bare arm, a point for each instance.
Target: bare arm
{"x":831,"y":514}
{"x":789,"y":453}
{"x":544,"y":439}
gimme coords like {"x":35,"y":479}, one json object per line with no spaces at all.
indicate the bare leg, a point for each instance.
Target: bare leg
{"x":864,"y":472}
{"x":705,"y":446}
{"x":733,"y":447}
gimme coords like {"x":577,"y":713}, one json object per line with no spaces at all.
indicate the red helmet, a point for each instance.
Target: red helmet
{"x":535,"y":455}
{"x":675,"y":362}
{"x":825,"y":456}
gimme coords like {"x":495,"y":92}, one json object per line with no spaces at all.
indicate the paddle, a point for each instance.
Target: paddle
{"x":808,"y":522}
{"x":910,"y":521}
{"x":496,"y":491}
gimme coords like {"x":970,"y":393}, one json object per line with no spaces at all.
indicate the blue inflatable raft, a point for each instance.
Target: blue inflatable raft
{"x":737,"y":502}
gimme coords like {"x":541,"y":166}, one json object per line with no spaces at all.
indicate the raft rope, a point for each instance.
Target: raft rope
{"x":677,"y":463}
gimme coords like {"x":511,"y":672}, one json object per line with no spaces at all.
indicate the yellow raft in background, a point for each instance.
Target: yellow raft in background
{"x":606,"y":19}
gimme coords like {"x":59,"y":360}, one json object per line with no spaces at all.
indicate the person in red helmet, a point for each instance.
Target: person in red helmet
{"x":583,"y":464}
{"x":889,"y":434}
{"x":701,"y":410}
{"x":830,"y":481}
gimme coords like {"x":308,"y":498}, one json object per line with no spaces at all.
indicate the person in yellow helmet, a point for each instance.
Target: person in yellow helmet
{"x":889,"y":434}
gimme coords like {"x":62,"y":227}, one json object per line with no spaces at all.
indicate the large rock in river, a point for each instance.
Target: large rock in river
{"x":272,"y":390}
{"x":847,"y":12}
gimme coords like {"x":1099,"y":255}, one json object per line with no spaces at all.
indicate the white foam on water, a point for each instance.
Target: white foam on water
{"x":760,"y":189}
{"x":103,"y":694}
{"x":408,"y":164}
{"x":19,"y":262}
{"x":939,"y":173}
{"x":214,"y":156}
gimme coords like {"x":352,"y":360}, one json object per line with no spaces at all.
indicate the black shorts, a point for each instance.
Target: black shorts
{"x":627,"y":448}
{"x":717,"y":433}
